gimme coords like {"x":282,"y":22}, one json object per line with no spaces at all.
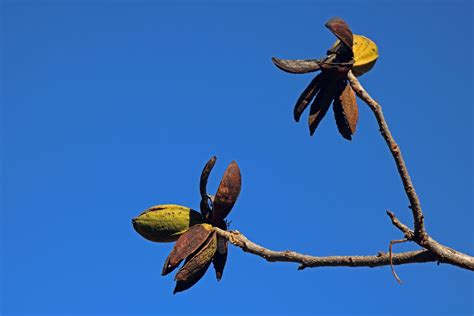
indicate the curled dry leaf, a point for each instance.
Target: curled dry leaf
{"x":297,"y":66}
{"x":227,"y":193}
{"x":187,"y":244}
{"x":196,"y":266}
{"x":204,"y":205}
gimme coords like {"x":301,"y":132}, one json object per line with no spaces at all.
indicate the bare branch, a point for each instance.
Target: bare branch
{"x":446,"y":254}
{"x":397,"y":156}
{"x":421,"y":237}
{"x":306,"y":261}
{"x":450,"y":255}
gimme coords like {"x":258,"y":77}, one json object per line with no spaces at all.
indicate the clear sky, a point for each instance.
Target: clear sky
{"x":109,"y":107}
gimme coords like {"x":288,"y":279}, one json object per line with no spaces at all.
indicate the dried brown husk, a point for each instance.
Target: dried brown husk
{"x":321,"y":103}
{"x":227,"y":193}
{"x":220,"y":257}
{"x":346,"y":112}
{"x":306,"y":97}
{"x":196,"y":266}
{"x":205,"y":209}
{"x":337,"y":68}
{"x":187,"y":244}
{"x":296,"y":66}
{"x":341,"y":29}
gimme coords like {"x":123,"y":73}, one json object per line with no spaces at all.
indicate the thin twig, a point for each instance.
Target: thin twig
{"x":391,"y":257}
{"x":407,"y":231}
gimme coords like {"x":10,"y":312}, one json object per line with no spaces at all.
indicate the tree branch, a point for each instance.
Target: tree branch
{"x":433,"y":252}
{"x":415,"y":205}
{"x":420,"y":236}
{"x":444,"y":253}
{"x":306,"y":261}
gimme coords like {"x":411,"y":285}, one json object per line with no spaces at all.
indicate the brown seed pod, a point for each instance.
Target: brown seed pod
{"x":306,"y":97}
{"x":205,"y":175}
{"x":187,"y":244}
{"x":341,"y":29}
{"x":204,"y":205}
{"x":321,"y":103}
{"x":227,"y":193}
{"x":220,"y":257}
{"x":196,"y":266}
{"x":346,"y":112}
{"x":297,"y":66}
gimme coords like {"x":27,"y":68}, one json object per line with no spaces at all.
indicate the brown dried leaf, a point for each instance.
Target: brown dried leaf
{"x":306,"y":97}
{"x":204,"y":205}
{"x":346,"y":112}
{"x":296,"y":66}
{"x":227,"y":193}
{"x":187,"y":244}
{"x":195,"y":267}
{"x":341,"y":29}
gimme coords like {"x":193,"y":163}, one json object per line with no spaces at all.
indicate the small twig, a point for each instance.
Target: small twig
{"x":406,"y":231}
{"x":391,"y":256}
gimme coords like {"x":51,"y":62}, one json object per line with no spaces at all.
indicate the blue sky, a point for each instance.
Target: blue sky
{"x":109,"y":107}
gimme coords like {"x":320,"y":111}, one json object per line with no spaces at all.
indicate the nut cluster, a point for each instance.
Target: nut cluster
{"x":196,"y":241}
{"x":350,"y":52}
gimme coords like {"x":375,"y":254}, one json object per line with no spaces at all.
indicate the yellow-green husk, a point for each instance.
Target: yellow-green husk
{"x":165,"y":223}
